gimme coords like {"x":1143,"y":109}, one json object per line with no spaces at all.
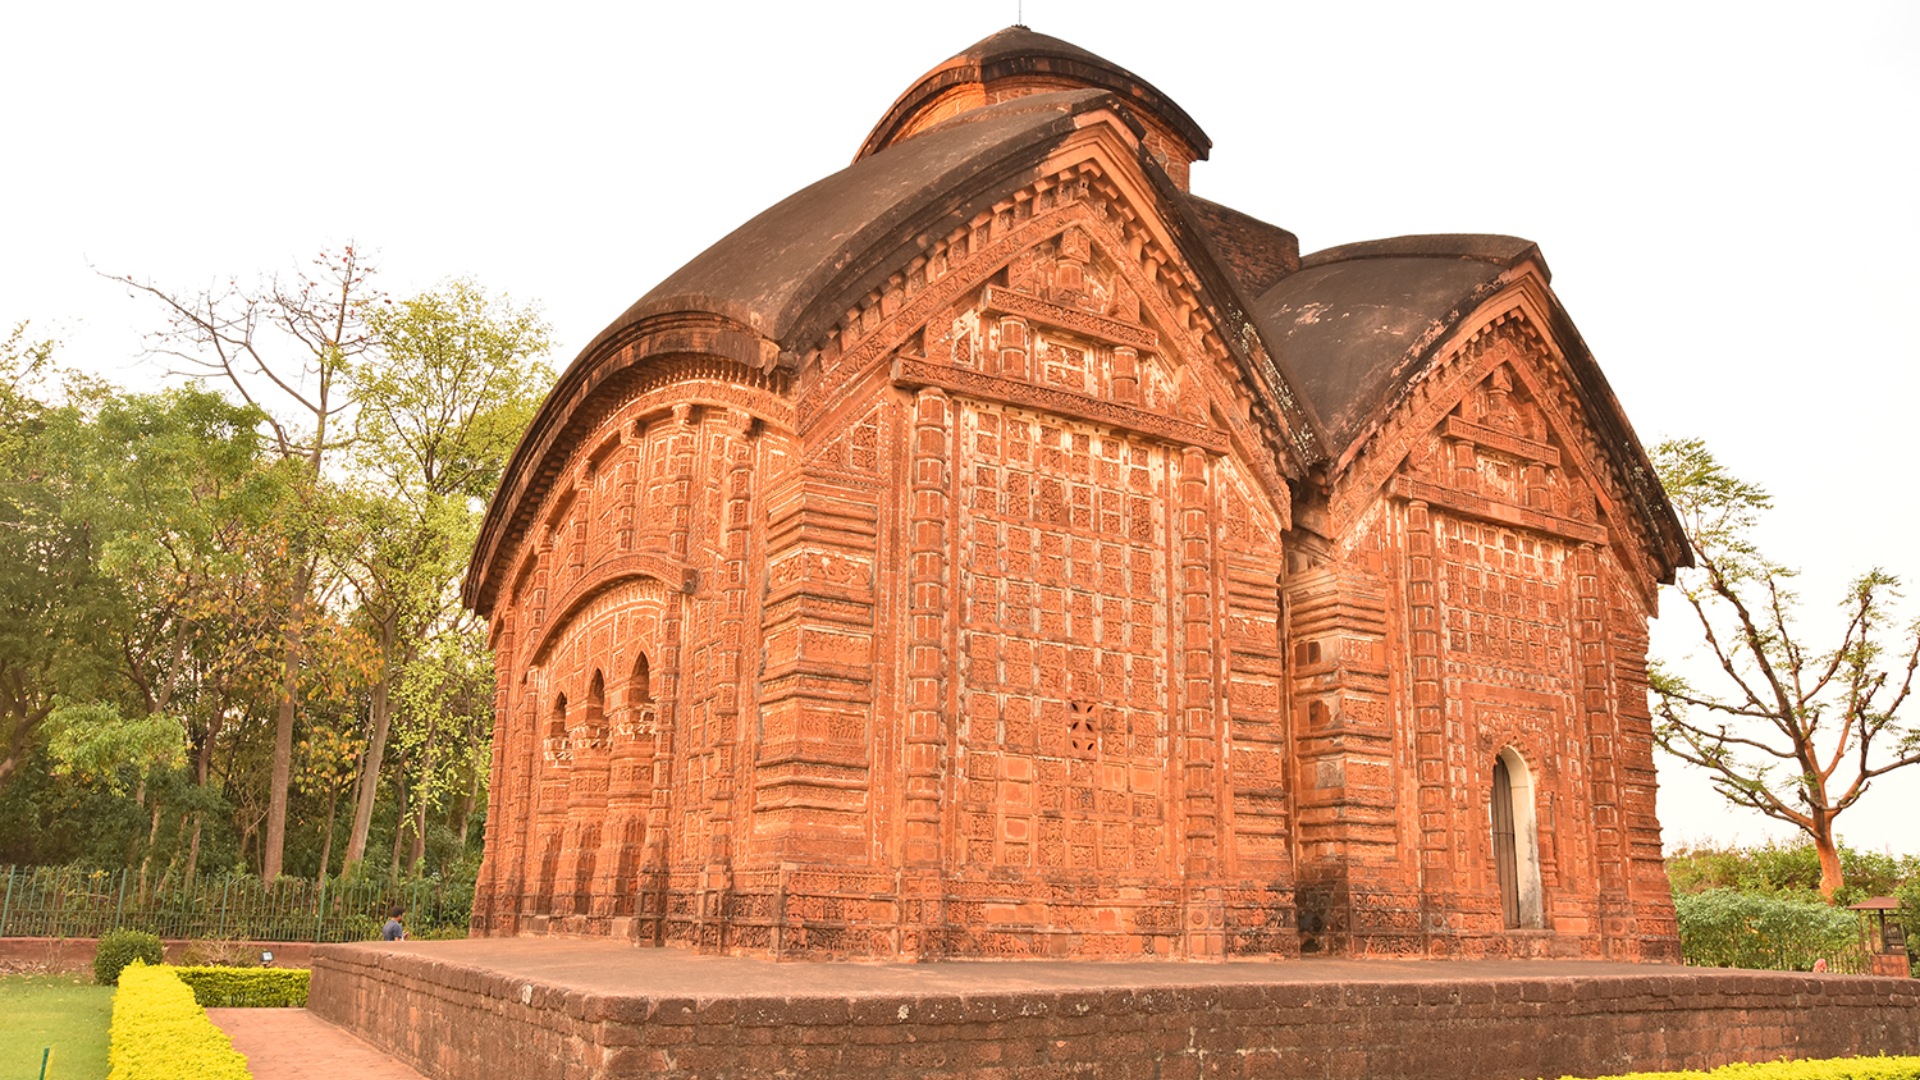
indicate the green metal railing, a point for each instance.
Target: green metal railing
{"x":65,"y":902}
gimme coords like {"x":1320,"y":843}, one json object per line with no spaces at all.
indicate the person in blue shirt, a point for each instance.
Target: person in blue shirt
{"x":393,"y":931}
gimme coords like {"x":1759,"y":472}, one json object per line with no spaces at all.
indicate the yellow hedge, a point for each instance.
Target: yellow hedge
{"x":1859,"y":1068}
{"x":159,"y":1033}
{"x":246,"y":988}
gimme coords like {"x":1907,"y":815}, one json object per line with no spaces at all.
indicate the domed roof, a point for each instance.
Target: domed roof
{"x":1358,"y":322}
{"x":1015,"y":61}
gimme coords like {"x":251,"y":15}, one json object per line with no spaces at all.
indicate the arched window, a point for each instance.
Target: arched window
{"x":594,"y":723}
{"x":640,"y":690}
{"x":557,"y":723}
{"x":1516,"y":842}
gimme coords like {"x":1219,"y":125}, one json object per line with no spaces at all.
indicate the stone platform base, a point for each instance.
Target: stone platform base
{"x":572,"y":1010}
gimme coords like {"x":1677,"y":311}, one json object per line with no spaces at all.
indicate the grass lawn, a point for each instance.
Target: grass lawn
{"x":66,"y":1012}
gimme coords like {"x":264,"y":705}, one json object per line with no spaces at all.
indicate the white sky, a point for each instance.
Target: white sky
{"x":1726,"y":192}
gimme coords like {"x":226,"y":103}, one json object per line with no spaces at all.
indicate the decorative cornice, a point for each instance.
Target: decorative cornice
{"x":674,"y":575}
{"x":914,"y":372}
{"x":628,"y":380}
{"x":1086,"y":323}
{"x":1494,"y":511}
{"x":1481,"y":435}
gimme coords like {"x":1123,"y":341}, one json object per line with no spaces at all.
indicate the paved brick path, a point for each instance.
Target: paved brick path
{"x":294,"y":1044}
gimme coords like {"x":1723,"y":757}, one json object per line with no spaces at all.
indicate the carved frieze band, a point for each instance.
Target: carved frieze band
{"x":1112,"y":331}
{"x":1474,"y":506}
{"x":912,"y":372}
{"x":1481,"y":435}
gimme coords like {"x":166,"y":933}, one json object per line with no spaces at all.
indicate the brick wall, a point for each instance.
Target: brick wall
{"x":76,"y":954}
{"x":455,"y":1022}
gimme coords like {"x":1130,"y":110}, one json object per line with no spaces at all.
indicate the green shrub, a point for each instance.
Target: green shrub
{"x":118,"y":948}
{"x":246,"y":988}
{"x":1857,"y":1068}
{"x":1728,"y":928}
{"x":159,"y":1033}
{"x":1787,"y":869}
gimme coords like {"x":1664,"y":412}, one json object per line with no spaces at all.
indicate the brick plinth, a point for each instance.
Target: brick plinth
{"x":533,"y":1009}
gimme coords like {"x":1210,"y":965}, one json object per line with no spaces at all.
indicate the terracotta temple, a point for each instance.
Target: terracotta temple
{"x":995,"y":549}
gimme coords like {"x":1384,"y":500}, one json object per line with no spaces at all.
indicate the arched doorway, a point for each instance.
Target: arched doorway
{"x":1516,"y":843}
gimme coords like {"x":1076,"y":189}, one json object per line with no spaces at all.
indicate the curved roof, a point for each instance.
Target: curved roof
{"x":774,"y":286}
{"x":1344,"y":332}
{"x":1018,"y":52}
{"x":810,"y":249}
{"x":1357,"y":322}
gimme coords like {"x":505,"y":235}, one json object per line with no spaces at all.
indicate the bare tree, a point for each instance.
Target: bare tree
{"x":1797,"y":734}
{"x":286,"y":346}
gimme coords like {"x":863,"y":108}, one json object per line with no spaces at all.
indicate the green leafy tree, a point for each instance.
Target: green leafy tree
{"x":1792,"y":731}
{"x":51,"y":593}
{"x":172,"y":481}
{"x":327,"y":758}
{"x":398,"y":553}
{"x":445,"y":714}
{"x":183,"y":501}
{"x":454,"y":379}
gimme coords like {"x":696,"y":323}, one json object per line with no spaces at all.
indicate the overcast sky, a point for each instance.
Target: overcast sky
{"x":1725,"y":193}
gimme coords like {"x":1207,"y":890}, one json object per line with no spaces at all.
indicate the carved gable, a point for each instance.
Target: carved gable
{"x":1062,"y":299}
{"x":1493,"y":430}
{"x":1063,"y":319}
{"x":1495,"y":455}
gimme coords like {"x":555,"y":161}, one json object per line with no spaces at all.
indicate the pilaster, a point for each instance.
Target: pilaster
{"x":1197,"y":736}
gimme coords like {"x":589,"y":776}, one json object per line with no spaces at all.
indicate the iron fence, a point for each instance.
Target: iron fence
{"x":66,"y":902}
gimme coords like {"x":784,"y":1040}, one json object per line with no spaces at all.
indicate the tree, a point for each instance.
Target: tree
{"x":171,"y":480}
{"x":50,"y":589}
{"x":444,"y":710}
{"x":183,"y":503}
{"x":455,"y":379}
{"x":1798,"y":734}
{"x":398,"y":554}
{"x":286,"y":349}
{"x":452,"y":383}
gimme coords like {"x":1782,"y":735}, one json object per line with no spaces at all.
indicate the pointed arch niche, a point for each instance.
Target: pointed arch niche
{"x":640,"y":690}
{"x":594,"y":724}
{"x":1516,"y":842}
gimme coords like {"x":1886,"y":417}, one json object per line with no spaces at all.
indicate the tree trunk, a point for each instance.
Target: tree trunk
{"x":382,"y":710}
{"x":326,"y":848}
{"x":400,"y":820}
{"x":467,"y":802}
{"x":20,"y":738}
{"x":1830,"y":875}
{"x":275,"y":847}
{"x":193,"y":848}
{"x":167,"y":874}
{"x":140,"y":799}
{"x":153,"y":840}
{"x":419,"y":838}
